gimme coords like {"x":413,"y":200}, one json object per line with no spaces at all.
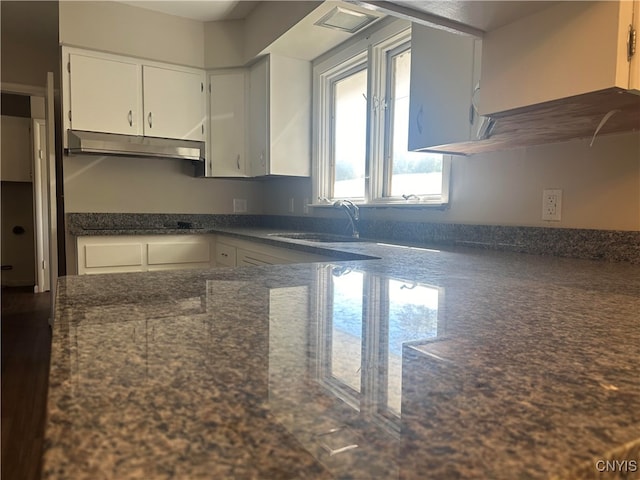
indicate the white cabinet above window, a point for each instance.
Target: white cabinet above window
{"x":565,"y":72}
{"x":567,"y":49}
{"x":442,"y":83}
{"x":116,"y":94}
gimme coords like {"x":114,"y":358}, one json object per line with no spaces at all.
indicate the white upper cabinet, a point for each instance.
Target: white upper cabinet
{"x":116,"y":94}
{"x":442,"y":83}
{"x":227,"y":117}
{"x":174,"y":103}
{"x":105,"y":95}
{"x":280,"y":117}
{"x":567,"y":49}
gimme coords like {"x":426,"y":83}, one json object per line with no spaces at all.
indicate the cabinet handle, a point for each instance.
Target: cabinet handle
{"x":419,"y":120}
{"x":224,"y":254}
{"x":150,"y":120}
{"x":130,"y":118}
{"x":238,"y":161}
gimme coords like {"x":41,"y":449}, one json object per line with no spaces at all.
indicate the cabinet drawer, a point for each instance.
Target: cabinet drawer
{"x":225,"y":255}
{"x":119,"y":255}
{"x":183,"y":252}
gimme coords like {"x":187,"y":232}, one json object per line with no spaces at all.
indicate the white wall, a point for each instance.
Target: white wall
{"x":269,"y":20}
{"x":601,"y":187}
{"x":235,"y":43}
{"x":224,"y":44}
{"x":150,"y":185}
{"x":29,"y":42}
{"x":119,"y":28}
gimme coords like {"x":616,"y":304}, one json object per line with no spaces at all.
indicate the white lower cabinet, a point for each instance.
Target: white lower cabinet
{"x":225,"y":254}
{"x":232,"y":252}
{"x":141,"y":253}
{"x":163,"y":255}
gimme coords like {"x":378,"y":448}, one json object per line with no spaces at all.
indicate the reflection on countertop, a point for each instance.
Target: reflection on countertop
{"x":423,"y":364}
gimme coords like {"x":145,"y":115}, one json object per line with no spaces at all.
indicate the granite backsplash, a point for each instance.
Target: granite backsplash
{"x":608,"y":245}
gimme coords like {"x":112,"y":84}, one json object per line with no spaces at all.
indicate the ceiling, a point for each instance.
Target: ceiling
{"x":480,"y":15}
{"x":202,"y":10}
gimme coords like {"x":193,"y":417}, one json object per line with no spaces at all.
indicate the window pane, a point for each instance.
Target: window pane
{"x":350,"y":135}
{"x":412,"y":172}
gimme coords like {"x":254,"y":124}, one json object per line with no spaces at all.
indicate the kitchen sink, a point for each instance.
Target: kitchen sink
{"x":317,"y":237}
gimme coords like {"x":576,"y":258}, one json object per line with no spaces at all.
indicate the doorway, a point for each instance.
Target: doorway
{"x":25,"y":230}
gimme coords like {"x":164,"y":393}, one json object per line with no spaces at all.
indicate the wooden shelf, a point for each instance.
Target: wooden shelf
{"x":557,"y":121}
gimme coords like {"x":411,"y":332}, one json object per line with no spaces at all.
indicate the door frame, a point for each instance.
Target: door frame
{"x":40,"y":197}
{"x":46,"y":226}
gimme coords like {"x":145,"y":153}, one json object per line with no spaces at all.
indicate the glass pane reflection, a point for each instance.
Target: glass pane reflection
{"x":364,"y":322}
{"x":413,"y":315}
{"x":346,"y":334}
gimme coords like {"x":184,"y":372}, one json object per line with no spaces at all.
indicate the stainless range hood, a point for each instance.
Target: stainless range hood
{"x":95,"y":143}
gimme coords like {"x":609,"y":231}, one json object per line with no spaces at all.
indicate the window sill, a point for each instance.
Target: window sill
{"x":423,"y":205}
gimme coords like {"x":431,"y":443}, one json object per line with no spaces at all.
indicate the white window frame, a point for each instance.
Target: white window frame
{"x":371,"y":49}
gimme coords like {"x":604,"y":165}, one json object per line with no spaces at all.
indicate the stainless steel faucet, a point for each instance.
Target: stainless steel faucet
{"x":353,"y":212}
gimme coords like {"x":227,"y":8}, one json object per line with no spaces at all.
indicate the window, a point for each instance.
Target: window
{"x":362,"y":100}
{"x":409,"y":173}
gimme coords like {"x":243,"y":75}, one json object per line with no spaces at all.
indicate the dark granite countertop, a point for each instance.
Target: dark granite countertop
{"x":422,"y":363}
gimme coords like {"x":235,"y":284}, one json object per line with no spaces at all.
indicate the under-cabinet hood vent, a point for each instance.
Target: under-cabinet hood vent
{"x":95,"y":143}
{"x":346,"y":20}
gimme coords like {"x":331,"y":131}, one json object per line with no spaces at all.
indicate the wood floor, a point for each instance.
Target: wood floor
{"x":26,"y":349}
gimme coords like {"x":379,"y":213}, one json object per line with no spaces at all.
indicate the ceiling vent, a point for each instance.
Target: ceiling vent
{"x":346,"y":20}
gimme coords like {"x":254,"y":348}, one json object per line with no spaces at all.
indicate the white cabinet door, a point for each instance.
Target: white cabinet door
{"x":232,"y":252}
{"x":141,"y":253}
{"x":289,"y":116}
{"x":105,"y":95}
{"x":110,"y":255}
{"x":227,"y":144}
{"x":225,"y":255}
{"x":441,"y":87}
{"x":280,"y":117}
{"x":259,"y":119}
{"x":174,"y":105}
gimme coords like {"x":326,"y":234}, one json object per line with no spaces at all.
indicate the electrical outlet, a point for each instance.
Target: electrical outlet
{"x":291,"y":205}
{"x":552,"y":204}
{"x":239,"y":205}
